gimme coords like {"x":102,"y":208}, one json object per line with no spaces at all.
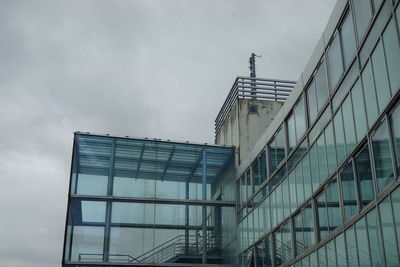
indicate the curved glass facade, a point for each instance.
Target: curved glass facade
{"x":331,"y":195}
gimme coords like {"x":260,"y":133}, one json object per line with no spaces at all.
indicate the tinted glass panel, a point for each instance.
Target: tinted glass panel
{"x":369,"y":93}
{"x":330,"y":148}
{"x":351,"y":246}
{"x":308,"y":226}
{"x":348,"y":121}
{"x":392,"y":51}
{"x":364,"y":176}
{"x":321,"y":85}
{"x":341,"y":251}
{"x":314,"y":167}
{"x":299,"y":112}
{"x":363,"y":15}
{"x":339,"y":136}
{"x":362,"y":242}
{"x":312,"y":102}
{"x":299,"y":184}
{"x":396,"y":212}
{"x":348,"y":191}
{"x":395,"y":125}
{"x":388,"y":233}
{"x":382,"y":156}
{"x":374,"y":235}
{"x":335,"y":61}
{"x":307,"y":176}
{"x":291,"y":132}
{"x":323,"y":167}
{"x":332,"y":200}
{"x":360,"y":118}
{"x":348,"y":39}
{"x":331,"y":253}
{"x":322,"y":215}
{"x":380,"y":75}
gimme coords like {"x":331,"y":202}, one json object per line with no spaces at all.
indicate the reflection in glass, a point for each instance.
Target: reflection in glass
{"x":349,"y":194}
{"x":335,"y":62}
{"x":369,"y":93}
{"x":362,"y":242}
{"x":363,"y":14}
{"x":339,"y":135}
{"x":374,"y":237}
{"x":330,"y":148}
{"x":322,"y":163}
{"x":392,"y":51}
{"x":395,"y":127}
{"x":388,"y":233}
{"x":364,"y":176}
{"x":348,"y":121}
{"x":340,"y":251}
{"x":348,"y":39}
{"x":382,"y":156}
{"x":380,"y":76}
{"x":332,"y":200}
{"x":360,"y":119}
{"x":351,"y":246}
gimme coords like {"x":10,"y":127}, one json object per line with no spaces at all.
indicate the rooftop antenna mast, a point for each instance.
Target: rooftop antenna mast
{"x":252,"y":67}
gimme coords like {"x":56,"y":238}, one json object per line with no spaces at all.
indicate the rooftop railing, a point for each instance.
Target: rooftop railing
{"x":253,"y":88}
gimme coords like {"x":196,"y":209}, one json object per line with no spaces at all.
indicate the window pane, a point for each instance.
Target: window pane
{"x":360,"y":119}
{"x":331,"y":253}
{"x":348,"y":120}
{"x":364,"y":176}
{"x":322,"y":256}
{"x":314,"y":167}
{"x":322,"y":215}
{"x":307,"y":176}
{"x":280,"y":145}
{"x":286,"y":242}
{"x":300,"y":119}
{"x":363,"y":14}
{"x":256,"y":174}
{"x":293,"y":190}
{"x":291,"y":132}
{"x":396,"y":211}
{"x":323,"y":168}
{"x":308,"y":226}
{"x":388,"y":233}
{"x":298,"y":222}
{"x":299,"y":184}
{"x":380,"y":75}
{"x":339,"y":135}
{"x":392,"y":51}
{"x":382,"y":156}
{"x":312,"y":102}
{"x":341,"y":251}
{"x":262,"y":166}
{"x":332,"y":200}
{"x":286,"y":198}
{"x":351,"y":246}
{"x":335,"y":61}
{"x":279,"y":211}
{"x":369,"y":93}
{"x":395,"y":124}
{"x":90,"y":184}
{"x":374,"y":235}
{"x":321,"y":85}
{"x":278,"y":248}
{"x":362,"y":242}
{"x":348,"y":192}
{"x":330,"y":148}
{"x":348,"y":39}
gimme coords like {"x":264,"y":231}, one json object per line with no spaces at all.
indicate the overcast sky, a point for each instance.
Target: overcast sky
{"x":140,"y":68}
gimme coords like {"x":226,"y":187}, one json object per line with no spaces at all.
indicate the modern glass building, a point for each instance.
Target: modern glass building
{"x":330,"y":195}
{"x":320,"y":187}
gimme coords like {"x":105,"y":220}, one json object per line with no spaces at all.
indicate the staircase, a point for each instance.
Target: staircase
{"x":182,"y":248}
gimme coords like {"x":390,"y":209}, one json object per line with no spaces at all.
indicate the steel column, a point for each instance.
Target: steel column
{"x":107,"y":228}
{"x":204,"y":207}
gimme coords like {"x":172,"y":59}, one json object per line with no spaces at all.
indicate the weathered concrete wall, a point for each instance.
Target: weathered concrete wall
{"x":245,"y":124}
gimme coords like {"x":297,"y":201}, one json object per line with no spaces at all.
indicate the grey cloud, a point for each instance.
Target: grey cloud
{"x":141,"y":68}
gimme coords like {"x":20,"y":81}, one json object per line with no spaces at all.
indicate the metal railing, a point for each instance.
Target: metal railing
{"x":253,"y":88}
{"x":179,"y":245}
